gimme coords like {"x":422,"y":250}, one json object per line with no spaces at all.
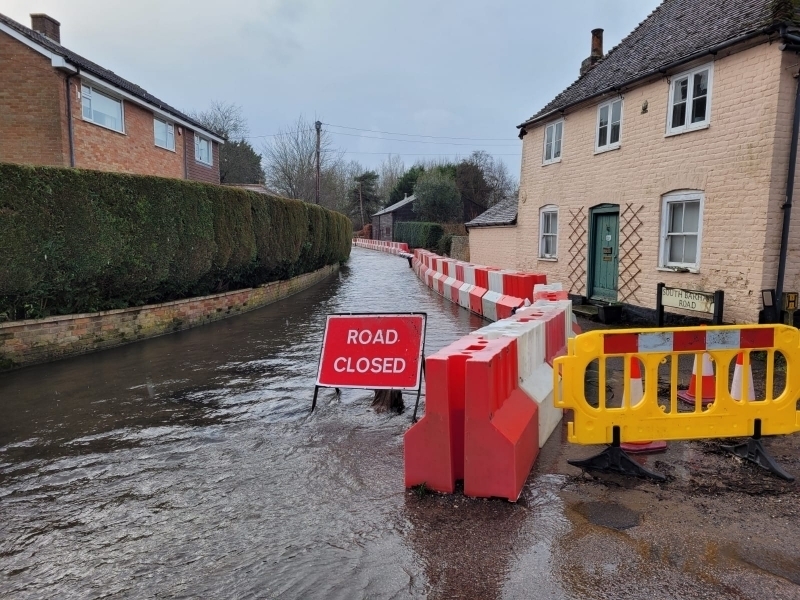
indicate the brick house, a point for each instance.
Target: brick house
{"x":667,"y":160}
{"x":58,"y":108}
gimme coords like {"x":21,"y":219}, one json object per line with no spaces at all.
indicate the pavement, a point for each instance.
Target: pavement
{"x":718,"y":527}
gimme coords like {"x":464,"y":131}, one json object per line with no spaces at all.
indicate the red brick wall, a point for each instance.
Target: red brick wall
{"x":34,"y":341}
{"x":198,"y":171}
{"x":134,"y":151}
{"x":32,"y":96}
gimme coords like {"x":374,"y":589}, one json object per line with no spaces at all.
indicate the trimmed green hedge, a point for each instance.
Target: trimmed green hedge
{"x":81,"y":241}
{"x":418,"y":234}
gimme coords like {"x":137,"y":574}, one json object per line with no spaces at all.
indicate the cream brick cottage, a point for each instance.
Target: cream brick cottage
{"x":666,"y":161}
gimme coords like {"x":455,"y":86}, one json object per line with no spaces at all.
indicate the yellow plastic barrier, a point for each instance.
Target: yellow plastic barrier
{"x":655,"y":419}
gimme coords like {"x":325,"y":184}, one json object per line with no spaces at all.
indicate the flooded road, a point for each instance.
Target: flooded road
{"x":188,"y":466}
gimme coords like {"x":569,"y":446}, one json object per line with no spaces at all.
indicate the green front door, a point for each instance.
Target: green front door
{"x":604,"y":257}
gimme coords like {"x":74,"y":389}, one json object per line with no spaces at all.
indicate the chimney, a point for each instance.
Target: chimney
{"x":597,"y":52}
{"x":47,"y":26}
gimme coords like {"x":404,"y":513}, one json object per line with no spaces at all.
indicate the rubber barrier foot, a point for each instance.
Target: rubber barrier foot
{"x":614,"y":459}
{"x":753,"y":450}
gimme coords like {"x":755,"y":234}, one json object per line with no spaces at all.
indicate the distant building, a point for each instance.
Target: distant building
{"x":58,"y":108}
{"x":667,"y":160}
{"x":383,"y":221}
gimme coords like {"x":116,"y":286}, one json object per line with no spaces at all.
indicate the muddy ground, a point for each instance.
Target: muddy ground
{"x":719,"y":527}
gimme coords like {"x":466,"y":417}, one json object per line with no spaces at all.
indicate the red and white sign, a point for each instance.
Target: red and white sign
{"x":379,"y":351}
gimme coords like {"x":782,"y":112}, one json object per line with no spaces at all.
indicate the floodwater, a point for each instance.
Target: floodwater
{"x":189,"y":466}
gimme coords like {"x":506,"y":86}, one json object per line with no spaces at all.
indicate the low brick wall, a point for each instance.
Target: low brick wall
{"x":35,"y":341}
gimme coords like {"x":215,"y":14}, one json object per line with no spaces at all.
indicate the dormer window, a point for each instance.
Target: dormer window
{"x":690,"y":100}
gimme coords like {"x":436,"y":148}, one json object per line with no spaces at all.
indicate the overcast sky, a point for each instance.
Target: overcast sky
{"x":457,"y":68}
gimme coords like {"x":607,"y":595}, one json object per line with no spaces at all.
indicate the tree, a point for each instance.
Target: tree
{"x":364,"y":198}
{"x":474,"y":189}
{"x":223,"y":118}
{"x":290,"y":161}
{"x":390,"y":171}
{"x":499,"y":181}
{"x":238,"y":160}
{"x":438,"y":199}
{"x":240,"y":163}
{"x":405,"y":185}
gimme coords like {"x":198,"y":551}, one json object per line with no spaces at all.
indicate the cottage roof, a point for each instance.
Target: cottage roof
{"x":84,"y":65}
{"x":396,"y":205}
{"x":502,"y":213}
{"x":676,"y":32}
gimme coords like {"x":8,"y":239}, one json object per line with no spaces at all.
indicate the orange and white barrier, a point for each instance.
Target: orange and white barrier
{"x":381,"y":246}
{"x":489,"y":396}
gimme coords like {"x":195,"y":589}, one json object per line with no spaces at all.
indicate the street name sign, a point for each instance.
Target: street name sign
{"x":372,"y":351}
{"x":688,"y":299}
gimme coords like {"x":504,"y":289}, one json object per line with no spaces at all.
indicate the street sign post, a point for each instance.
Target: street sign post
{"x":372,"y":351}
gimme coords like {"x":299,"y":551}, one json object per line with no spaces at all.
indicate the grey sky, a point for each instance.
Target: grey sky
{"x":437,"y":67}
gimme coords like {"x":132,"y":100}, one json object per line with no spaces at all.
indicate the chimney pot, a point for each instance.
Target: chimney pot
{"x":47,"y":26}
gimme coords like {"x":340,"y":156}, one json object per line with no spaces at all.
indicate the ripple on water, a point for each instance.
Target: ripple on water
{"x":189,"y":465}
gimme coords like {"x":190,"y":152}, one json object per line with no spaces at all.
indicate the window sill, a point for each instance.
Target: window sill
{"x":687,"y":130}
{"x":164,"y":148}
{"x":548,"y":259}
{"x":609,"y":149}
{"x":103,"y":126}
{"x":204,"y":164}
{"x":691,"y":270}
{"x":552,"y":162}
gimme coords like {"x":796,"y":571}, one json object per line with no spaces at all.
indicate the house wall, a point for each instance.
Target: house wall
{"x":32,"y":97}
{"x":732,"y":162}
{"x":198,"y":171}
{"x":133,"y":151}
{"x":493,"y":246}
{"x":780,"y":164}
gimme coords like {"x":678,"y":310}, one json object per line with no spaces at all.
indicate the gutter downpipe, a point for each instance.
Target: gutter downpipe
{"x":70,"y":133}
{"x":793,"y":43}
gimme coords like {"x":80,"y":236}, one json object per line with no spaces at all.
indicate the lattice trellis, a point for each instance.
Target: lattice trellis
{"x":629,"y":253}
{"x":577,"y":251}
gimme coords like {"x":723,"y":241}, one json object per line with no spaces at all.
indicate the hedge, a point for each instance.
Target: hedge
{"x":81,"y":241}
{"x":418,"y":234}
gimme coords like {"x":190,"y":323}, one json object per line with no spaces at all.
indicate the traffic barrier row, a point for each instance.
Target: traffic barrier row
{"x":489,"y":401}
{"x":487,"y":291}
{"x":381,"y":246}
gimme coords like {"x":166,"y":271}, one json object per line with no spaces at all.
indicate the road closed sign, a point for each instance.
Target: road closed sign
{"x":372,"y":351}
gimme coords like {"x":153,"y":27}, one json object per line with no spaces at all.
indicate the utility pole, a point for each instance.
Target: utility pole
{"x":361,"y":202}
{"x":318,"y":126}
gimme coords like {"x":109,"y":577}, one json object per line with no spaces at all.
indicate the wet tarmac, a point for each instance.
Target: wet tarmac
{"x":188,"y":466}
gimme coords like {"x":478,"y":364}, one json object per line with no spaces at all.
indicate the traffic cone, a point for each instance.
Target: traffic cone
{"x":708,"y":384}
{"x":636,"y":396}
{"x":736,"y":385}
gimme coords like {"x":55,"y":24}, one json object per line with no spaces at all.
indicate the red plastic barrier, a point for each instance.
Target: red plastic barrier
{"x":476,"y":295}
{"x":521,"y":284}
{"x":506,"y":306}
{"x":482,"y":277}
{"x":460,"y":271}
{"x":501,"y":426}
{"x":551,"y":296}
{"x":434,"y":446}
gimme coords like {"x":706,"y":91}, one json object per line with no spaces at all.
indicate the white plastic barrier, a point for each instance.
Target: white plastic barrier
{"x":463,"y":295}
{"x":489,"y":303}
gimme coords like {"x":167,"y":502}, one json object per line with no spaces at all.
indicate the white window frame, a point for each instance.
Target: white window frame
{"x":170,"y":127}
{"x":210,"y":150}
{"x":94,"y":90}
{"x":663,"y":254}
{"x":688,"y":125}
{"x":547,"y":210}
{"x":608,"y":145}
{"x":553,"y":159}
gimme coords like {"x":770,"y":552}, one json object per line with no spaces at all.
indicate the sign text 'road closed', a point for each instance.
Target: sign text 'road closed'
{"x":380,"y":351}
